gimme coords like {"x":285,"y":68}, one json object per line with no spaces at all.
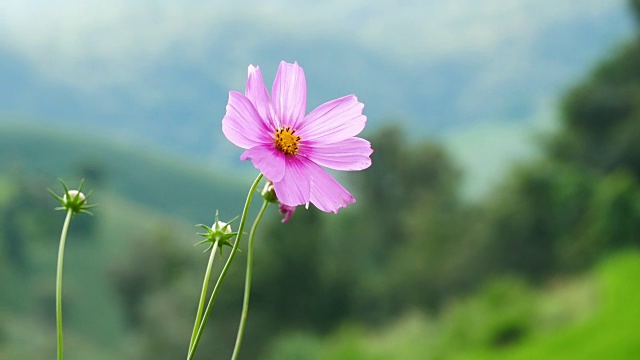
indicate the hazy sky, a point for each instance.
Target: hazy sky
{"x":70,"y":39}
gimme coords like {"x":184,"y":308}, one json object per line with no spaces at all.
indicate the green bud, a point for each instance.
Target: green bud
{"x":75,"y":195}
{"x":73,"y":200}
{"x":219,"y":233}
{"x":221,"y":228}
{"x":269,"y":193}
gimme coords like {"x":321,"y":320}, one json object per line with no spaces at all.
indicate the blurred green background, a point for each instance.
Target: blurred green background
{"x":500,"y":217}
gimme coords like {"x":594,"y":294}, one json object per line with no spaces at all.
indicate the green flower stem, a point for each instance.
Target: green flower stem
{"x":225,"y":269}
{"x":247,"y":281}
{"x":63,"y":239}
{"x":203,"y":295}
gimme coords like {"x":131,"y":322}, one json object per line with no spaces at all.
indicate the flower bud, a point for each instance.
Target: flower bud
{"x":269,"y":193}
{"x":73,"y":200}
{"x":221,"y":228}
{"x":73,"y":195}
{"x":219,"y":233}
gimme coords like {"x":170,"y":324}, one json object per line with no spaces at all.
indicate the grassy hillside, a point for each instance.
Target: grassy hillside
{"x":611,"y":332}
{"x":164,"y":182}
{"x":591,"y":317}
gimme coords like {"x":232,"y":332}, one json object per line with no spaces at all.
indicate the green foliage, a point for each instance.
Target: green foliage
{"x":499,"y":314}
{"x":531,"y":218}
{"x":409,"y":214}
{"x":23,"y":205}
{"x":579,"y":201}
{"x":601,"y":116}
{"x":607,"y":333}
{"x":478,"y":327}
{"x":610,"y":221}
{"x":297,"y":345}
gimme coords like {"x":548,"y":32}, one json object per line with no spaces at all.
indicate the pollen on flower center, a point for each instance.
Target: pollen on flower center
{"x":287,"y":141}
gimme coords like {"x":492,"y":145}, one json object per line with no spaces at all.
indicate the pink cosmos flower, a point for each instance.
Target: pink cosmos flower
{"x":289,"y":147}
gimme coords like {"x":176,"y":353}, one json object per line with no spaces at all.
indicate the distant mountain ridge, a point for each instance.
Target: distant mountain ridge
{"x":186,"y":189}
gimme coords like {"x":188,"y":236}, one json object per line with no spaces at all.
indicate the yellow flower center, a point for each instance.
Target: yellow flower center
{"x":286,"y":140}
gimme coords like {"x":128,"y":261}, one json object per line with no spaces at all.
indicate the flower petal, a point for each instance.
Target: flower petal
{"x":326,"y":193}
{"x":334,"y":121}
{"x":295,"y":187}
{"x":289,"y":95}
{"x":242,"y":124}
{"x":268,"y":160}
{"x":349,"y":154}
{"x":257,"y":93}
{"x":287,"y":212}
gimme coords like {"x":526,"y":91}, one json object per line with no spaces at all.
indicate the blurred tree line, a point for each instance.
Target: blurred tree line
{"x":410,"y":242}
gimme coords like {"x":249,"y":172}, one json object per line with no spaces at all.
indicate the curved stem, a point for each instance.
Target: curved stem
{"x":203,"y":294}
{"x":223,"y":273}
{"x":247,"y":281}
{"x":63,"y":239}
